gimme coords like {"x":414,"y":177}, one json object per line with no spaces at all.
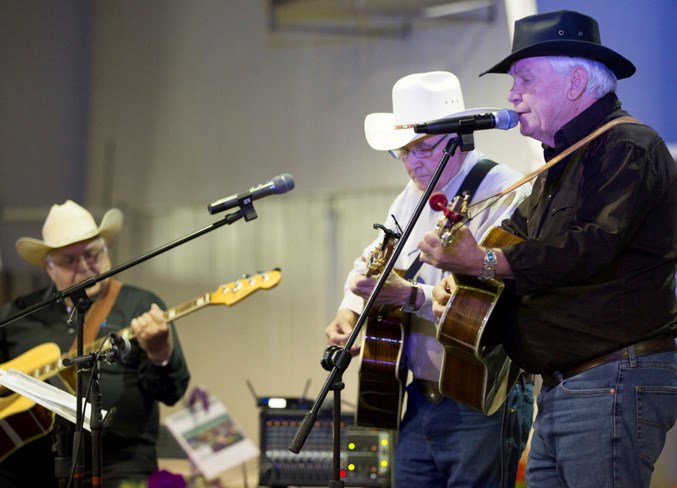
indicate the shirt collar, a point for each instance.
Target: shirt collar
{"x":584,"y":123}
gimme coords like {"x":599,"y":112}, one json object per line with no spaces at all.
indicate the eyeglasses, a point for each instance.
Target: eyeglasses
{"x":419,"y":151}
{"x":91,"y":256}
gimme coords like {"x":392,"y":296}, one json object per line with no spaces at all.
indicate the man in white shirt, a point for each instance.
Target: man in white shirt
{"x":441,"y":442}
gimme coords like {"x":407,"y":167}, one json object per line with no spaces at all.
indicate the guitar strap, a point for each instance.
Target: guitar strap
{"x":620,"y":120}
{"x":473,"y":179}
{"x":98,"y":312}
{"x":470,"y":184}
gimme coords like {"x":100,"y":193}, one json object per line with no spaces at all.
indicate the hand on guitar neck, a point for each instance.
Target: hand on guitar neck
{"x":462,"y":255}
{"x":395,"y":291}
{"x":452,"y":247}
{"x":153,"y":334}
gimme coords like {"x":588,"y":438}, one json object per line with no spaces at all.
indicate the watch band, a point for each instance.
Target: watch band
{"x":488,"y":265}
{"x":410,"y":306}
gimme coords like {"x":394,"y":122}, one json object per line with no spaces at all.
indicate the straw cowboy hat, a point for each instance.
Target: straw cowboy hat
{"x":65,"y":225}
{"x":417,"y":98}
{"x":562,"y":33}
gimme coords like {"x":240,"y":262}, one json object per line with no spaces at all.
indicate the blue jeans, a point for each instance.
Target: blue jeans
{"x":451,"y":445}
{"x":605,"y":427}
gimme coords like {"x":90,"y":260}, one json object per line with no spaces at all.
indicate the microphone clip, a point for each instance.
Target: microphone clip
{"x":119,"y":348}
{"x":246,"y":203}
{"x":466,"y":142}
{"x":110,"y":356}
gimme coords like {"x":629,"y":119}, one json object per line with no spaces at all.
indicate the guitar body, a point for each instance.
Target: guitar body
{"x":383,"y":372}
{"x":21,"y":419}
{"x":476,"y":370}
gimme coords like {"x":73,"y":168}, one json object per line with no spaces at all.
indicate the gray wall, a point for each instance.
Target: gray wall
{"x":160,"y":107}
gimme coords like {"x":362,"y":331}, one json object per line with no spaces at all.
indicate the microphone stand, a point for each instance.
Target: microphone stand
{"x":96,"y":423}
{"x":82,"y":303}
{"x":337,"y":359}
{"x":96,"y":426}
{"x":78,"y":297}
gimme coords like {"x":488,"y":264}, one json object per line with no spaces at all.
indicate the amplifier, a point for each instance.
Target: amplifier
{"x":365,"y":452}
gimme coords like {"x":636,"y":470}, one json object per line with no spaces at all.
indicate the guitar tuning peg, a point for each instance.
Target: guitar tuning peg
{"x":438,"y":201}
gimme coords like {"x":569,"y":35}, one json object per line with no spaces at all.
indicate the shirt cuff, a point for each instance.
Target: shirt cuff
{"x":426,"y":310}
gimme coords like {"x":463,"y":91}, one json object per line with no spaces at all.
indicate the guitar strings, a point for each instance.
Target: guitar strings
{"x":492,"y":200}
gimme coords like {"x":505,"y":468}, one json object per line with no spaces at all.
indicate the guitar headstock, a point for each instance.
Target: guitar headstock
{"x":233,"y":292}
{"x":380,"y":254}
{"x":453,"y":215}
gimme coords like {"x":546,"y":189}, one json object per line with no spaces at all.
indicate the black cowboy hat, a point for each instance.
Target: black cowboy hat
{"x":562,"y":33}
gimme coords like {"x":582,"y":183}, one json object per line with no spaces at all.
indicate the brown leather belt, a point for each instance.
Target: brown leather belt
{"x":642,"y":348}
{"x":430,"y":390}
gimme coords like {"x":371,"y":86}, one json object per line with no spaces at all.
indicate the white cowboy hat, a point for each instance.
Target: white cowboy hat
{"x":417,"y":98}
{"x":65,"y":225}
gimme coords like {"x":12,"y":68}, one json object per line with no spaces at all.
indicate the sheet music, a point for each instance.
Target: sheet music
{"x":58,"y":401}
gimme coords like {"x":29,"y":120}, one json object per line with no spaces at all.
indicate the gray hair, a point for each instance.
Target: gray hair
{"x":600,"y":78}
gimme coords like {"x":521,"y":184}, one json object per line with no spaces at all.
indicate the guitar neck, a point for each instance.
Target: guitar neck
{"x":103,"y":344}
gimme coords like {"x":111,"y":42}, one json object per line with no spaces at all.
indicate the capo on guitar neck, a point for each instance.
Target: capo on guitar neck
{"x":382,"y":252}
{"x":389,"y":233}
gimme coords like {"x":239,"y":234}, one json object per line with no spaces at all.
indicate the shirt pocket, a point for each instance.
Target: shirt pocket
{"x":557,"y":215}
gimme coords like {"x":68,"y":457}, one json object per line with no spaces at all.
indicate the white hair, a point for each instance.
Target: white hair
{"x":601,"y":79}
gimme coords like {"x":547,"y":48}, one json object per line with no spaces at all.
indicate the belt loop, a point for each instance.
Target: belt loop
{"x":632,"y":358}
{"x":558,"y":376}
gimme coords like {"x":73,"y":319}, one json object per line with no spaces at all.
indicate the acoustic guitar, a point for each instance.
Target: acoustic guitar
{"x":476,"y":370}
{"x":383,"y":373}
{"x":22,"y":420}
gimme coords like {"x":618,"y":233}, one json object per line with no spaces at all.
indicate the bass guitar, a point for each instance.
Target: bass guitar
{"x":476,"y":370}
{"x":22,"y":420}
{"x":383,"y":373}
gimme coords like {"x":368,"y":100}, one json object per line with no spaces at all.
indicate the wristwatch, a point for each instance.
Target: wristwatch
{"x":488,"y":265}
{"x":410,"y":306}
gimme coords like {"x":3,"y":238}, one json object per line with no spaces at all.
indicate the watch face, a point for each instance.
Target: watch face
{"x":407,"y":308}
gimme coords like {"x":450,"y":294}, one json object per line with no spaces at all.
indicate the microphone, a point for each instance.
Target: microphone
{"x":502,"y":119}
{"x":279,"y":184}
{"x":116,"y":354}
{"x":122,"y":345}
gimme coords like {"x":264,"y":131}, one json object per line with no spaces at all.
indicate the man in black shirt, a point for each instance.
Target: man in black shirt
{"x":594,"y":277}
{"x":73,"y":249}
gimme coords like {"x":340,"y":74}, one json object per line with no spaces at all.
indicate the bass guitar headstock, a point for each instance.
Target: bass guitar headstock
{"x":233,"y":292}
